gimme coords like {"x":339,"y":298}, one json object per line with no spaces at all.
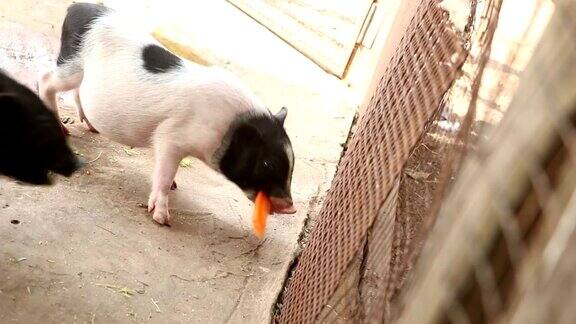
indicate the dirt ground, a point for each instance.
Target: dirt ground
{"x":85,"y":250}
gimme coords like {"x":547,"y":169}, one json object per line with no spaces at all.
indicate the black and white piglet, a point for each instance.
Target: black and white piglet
{"x":131,"y":89}
{"x":31,"y":142}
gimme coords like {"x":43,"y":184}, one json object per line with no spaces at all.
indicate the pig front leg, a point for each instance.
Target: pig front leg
{"x":166,"y":162}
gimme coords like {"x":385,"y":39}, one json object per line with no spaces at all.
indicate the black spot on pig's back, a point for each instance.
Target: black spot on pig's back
{"x":159,"y":60}
{"x":78,"y":21}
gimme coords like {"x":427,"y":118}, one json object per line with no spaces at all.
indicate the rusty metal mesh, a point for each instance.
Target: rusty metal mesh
{"x":503,"y":241}
{"x":444,"y":95}
{"x":419,"y":74}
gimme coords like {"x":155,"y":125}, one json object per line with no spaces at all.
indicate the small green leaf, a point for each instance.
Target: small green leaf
{"x":127,"y":292}
{"x":186,"y":162}
{"x":418,"y":175}
{"x":131,"y":151}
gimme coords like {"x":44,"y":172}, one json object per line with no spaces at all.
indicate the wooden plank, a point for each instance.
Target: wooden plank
{"x":362,"y":288}
{"x":324,"y":31}
{"x":552,"y":301}
{"x":377,"y":273}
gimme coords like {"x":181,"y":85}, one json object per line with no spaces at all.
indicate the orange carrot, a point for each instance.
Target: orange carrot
{"x":261,"y":211}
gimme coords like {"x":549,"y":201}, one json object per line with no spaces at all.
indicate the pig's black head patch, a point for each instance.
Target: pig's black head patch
{"x":259,"y":157}
{"x":32,"y":143}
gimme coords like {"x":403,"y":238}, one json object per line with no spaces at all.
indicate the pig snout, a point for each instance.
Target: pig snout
{"x":67,"y":166}
{"x":282,"y":205}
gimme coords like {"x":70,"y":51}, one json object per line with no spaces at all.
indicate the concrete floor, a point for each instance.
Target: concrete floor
{"x":85,"y":251}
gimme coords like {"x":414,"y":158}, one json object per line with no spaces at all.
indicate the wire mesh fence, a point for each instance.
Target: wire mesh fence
{"x":504,"y":228}
{"x":425,"y":65}
{"x":459,"y":178}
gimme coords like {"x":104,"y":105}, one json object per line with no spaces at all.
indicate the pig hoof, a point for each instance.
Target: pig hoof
{"x":93,"y":130}
{"x":161,"y":218}
{"x":90,"y":127}
{"x":65,"y":130}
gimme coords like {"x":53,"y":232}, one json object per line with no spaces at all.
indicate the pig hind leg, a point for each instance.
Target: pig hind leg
{"x":69,"y":66}
{"x":56,"y":81}
{"x":81,"y":112}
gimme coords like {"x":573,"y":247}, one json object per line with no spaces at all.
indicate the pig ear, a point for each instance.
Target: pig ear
{"x":281,"y":115}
